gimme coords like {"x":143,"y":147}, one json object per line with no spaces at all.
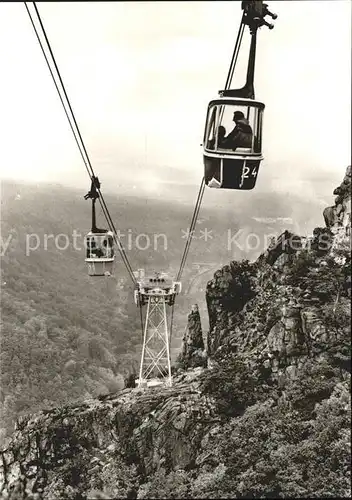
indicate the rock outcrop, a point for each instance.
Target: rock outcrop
{"x":269,"y":417}
{"x":338,"y":217}
{"x":65,"y":449}
{"x":193,"y":353}
{"x":274,"y":310}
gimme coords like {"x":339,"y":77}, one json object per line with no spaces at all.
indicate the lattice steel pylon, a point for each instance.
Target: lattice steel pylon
{"x":157,"y":293}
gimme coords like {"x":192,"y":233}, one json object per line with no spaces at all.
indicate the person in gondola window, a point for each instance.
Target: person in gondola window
{"x":91,"y":247}
{"x":108,"y":250}
{"x":221,"y":136}
{"x":241,"y":136}
{"x":93,"y":250}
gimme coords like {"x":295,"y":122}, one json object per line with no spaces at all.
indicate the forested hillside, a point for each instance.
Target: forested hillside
{"x":65,"y":336}
{"x":267,"y":414}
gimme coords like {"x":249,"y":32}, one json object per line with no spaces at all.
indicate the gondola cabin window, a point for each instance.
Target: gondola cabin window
{"x":234,"y":127}
{"x":99,"y":246}
{"x":99,"y":253}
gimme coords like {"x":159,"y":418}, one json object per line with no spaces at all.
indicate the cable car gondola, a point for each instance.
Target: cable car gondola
{"x":231,"y":163}
{"x":232,"y":142}
{"x":99,"y":243}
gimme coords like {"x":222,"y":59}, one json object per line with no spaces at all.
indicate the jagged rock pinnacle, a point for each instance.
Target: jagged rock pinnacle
{"x":338,"y":217}
{"x":192,"y":354}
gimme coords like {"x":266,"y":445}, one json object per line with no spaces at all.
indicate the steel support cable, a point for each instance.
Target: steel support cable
{"x":101,"y":198}
{"x":233,"y":63}
{"x":171,"y":323}
{"x":189,"y":238}
{"x":57,"y":88}
{"x":191,"y":229}
{"x":235,"y":54}
{"x":141,"y":317}
{"x":63,"y":89}
{"x":188,"y":244}
{"x":117,"y":240}
{"x":195,"y":218}
{"x":77,"y":135}
{"x":86,"y":157}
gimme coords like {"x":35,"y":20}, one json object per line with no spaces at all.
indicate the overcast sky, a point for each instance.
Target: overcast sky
{"x":139,"y":76}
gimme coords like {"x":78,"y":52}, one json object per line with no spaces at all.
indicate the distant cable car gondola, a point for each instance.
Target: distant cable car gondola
{"x":99,"y":253}
{"x":232,"y":142}
{"x":99,"y":243}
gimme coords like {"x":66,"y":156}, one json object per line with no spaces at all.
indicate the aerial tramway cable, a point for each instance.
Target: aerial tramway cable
{"x":188,"y":244}
{"x":77,"y":134}
{"x":57,"y":88}
{"x":191,"y":229}
{"x":235,"y":55}
{"x":233,"y":63}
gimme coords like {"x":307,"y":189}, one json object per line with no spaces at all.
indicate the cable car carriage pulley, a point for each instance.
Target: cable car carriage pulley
{"x":232,"y":159}
{"x":99,"y":243}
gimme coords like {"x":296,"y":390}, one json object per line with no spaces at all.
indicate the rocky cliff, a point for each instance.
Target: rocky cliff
{"x":265,"y":414}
